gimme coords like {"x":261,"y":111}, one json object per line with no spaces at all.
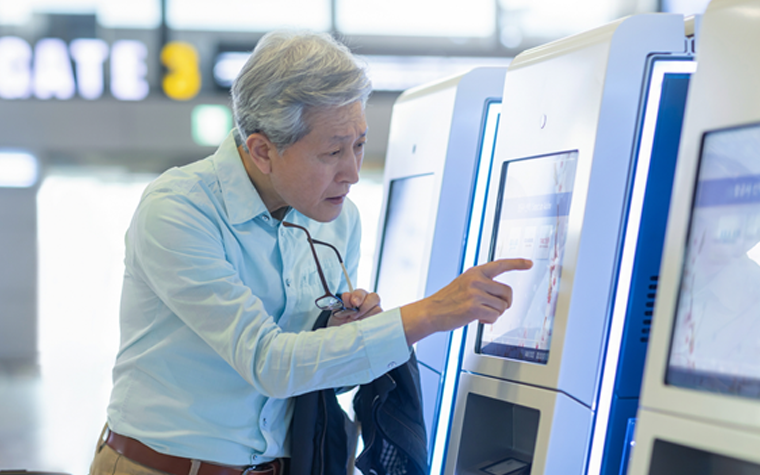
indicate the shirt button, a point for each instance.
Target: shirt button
{"x":391,"y":365}
{"x":264,"y":422}
{"x":287,"y":282}
{"x":265,"y":218}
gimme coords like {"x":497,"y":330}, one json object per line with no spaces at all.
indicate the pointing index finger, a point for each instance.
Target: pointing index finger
{"x":499,"y":266}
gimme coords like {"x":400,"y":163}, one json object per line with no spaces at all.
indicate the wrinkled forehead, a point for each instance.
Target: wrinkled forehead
{"x":337,"y":124}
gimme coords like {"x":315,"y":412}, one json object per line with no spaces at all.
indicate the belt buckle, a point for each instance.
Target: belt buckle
{"x":253,"y":469}
{"x":267,"y":468}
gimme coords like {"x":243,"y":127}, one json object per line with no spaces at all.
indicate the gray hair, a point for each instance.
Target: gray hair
{"x":289,"y":74}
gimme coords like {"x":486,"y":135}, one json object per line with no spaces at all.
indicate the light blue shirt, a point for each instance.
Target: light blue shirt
{"x":216,"y":311}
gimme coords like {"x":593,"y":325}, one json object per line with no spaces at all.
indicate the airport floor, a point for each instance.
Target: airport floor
{"x":51,"y":414}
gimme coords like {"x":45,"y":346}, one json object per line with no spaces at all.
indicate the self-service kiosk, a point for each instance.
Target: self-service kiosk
{"x":700,"y":410}
{"x":584,"y":158}
{"x":442,"y":137}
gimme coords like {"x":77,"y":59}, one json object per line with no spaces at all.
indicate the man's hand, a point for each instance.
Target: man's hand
{"x":474,"y":295}
{"x":359,"y":304}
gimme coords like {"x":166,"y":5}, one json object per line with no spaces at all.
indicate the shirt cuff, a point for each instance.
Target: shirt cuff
{"x":385,"y":341}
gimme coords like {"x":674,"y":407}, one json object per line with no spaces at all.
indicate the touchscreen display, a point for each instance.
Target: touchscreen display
{"x":531,"y":222}
{"x":716,"y":339}
{"x":407,"y":220}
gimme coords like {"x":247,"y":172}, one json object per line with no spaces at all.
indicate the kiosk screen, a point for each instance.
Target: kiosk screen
{"x":531,"y":222}
{"x":714,"y":344}
{"x":407,"y":221}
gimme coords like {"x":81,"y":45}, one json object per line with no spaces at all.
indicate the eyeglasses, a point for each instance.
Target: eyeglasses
{"x":328,"y":301}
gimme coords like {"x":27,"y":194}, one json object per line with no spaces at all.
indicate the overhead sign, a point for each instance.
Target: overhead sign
{"x":56,"y":70}
{"x":183,"y":78}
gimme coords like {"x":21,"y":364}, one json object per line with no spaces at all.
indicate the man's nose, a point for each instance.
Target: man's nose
{"x":350,"y":171}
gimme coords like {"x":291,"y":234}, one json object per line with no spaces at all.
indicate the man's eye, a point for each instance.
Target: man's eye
{"x":335,"y":153}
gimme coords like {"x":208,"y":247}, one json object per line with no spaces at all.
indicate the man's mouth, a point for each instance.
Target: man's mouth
{"x":337,"y":199}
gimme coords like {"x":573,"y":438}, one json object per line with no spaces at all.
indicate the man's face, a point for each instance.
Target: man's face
{"x":314,"y":174}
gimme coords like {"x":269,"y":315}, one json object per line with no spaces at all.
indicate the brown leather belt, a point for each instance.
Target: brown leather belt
{"x":144,"y":455}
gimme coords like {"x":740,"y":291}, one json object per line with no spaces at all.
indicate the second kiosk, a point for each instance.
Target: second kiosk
{"x":541,"y":391}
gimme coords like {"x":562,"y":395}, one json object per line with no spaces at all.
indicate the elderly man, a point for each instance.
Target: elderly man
{"x":222,"y":276}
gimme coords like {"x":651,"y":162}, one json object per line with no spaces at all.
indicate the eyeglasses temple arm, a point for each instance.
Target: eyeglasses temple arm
{"x":348,"y":281}
{"x":314,"y":253}
{"x":342,"y":266}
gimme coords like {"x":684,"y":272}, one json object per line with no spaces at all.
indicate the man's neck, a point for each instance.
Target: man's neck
{"x":279,"y":214}
{"x":263,"y":186}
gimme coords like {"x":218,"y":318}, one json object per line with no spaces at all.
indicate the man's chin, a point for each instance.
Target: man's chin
{"x":325,"y":215}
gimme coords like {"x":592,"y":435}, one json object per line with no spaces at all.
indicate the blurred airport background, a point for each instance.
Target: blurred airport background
{"x":97,"y":97}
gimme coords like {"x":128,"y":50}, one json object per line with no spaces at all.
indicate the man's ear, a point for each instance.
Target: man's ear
{"x":260,"y":150}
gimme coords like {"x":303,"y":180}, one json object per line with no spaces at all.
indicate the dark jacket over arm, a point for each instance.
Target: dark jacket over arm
{"x":393,"y":430}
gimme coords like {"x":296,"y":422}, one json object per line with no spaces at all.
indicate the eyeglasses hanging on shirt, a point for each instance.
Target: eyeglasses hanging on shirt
{"x":328,"y":301}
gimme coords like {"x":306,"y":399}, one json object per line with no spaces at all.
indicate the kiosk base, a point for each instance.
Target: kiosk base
{"x":507,"y":447}
{"x":500,"y":425}
{"x":673,"y":459}
{"x":667,"y":444}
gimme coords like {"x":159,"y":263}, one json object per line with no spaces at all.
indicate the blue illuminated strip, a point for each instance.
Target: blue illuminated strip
{"x":625,"y":272}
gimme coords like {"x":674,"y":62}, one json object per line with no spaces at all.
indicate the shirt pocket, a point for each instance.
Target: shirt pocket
{"x":312,"y":283}
{"x":308,"y":288}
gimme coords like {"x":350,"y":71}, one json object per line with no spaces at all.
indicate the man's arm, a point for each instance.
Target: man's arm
{"x":474,"y":295}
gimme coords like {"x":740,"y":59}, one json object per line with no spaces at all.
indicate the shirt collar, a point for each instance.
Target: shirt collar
{"x":241,"y":198}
